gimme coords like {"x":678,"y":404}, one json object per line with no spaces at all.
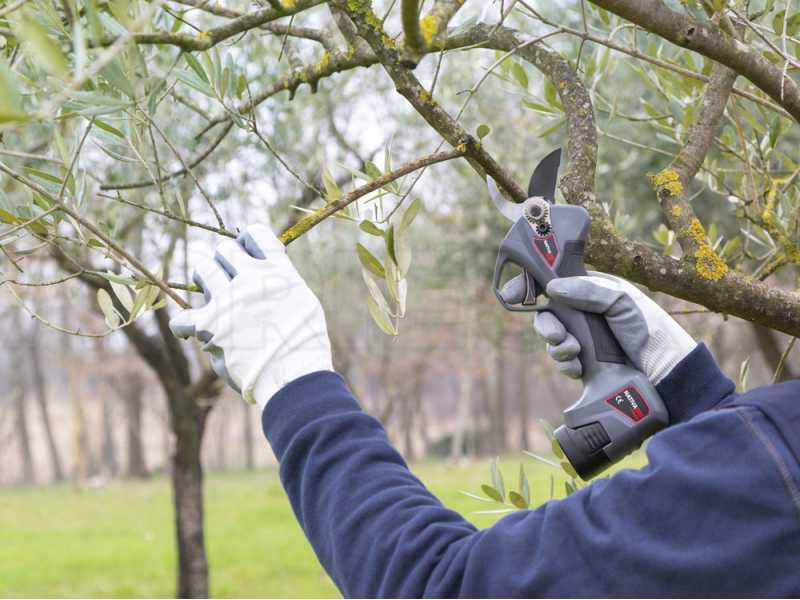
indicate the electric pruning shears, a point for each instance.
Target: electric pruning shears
{"x":619,"y":407}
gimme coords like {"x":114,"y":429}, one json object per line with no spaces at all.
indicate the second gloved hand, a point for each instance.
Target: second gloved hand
{"x":262,"y":326}
{"x":651,"y":339}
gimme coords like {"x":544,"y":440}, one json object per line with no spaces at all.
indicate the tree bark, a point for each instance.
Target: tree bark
{"x":188,"y":423}
{"x":483,"y":441}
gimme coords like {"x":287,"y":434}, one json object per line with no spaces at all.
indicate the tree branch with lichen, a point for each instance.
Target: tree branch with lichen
{"x":735,"y":294}
{"x":307,"y":33}
{"x":208,"y":39}
{"x":672,"y":184}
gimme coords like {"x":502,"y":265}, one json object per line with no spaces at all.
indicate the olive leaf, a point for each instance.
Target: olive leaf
{"x":369,"y":262}
{"x":107,"y":306}
{"x":492,"y":492}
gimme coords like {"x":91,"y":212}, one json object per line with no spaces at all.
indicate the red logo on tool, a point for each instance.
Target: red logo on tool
{"x":547,"y":247}
{"x":629,"y":402}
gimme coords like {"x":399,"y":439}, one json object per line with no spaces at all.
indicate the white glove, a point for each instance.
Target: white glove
{"x":652,"y":340}
{"x":262,"y":325}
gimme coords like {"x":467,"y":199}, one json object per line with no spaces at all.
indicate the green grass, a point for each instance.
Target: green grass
{"x":117,"y":541}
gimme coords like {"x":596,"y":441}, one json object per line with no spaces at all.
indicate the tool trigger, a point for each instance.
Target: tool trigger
{"x":520,"y":290}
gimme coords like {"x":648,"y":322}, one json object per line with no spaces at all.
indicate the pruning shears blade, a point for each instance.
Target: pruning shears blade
{"x":509,"y":210}
{"x":545,"y":176}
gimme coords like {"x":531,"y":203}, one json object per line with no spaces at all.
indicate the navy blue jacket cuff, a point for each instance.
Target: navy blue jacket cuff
{"x":300,"y":401}
{"x":695,"y":385}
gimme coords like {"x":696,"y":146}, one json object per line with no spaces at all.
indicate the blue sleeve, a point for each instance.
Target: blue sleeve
{"x":379,"y":533}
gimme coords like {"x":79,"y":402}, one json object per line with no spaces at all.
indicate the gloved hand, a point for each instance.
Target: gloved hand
{"x":261,"y":324}
{"x":652,"y":339}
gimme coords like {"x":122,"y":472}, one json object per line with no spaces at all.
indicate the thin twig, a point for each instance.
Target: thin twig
{"x":192,"y":164}
{"x":42,"y":283}
{"x":75,"y":159}
{"x":313,"y":219}
{"x":169,"y":215}
{"x":279,"y":158}
{"x":29,"y":156}
{"x":46,"y":323}
{"x":188,"y":170}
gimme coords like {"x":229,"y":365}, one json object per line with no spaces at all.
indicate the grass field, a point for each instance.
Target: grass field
{"x":117,"y":541}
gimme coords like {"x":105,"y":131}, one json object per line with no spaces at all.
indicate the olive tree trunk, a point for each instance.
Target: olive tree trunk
{"x":188,"y":419}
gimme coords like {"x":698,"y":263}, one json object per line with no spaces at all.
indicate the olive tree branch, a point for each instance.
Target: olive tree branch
{"x":132,"y":260}
{"x":708,"y":39}
{"x":208,"y":39}
{"x":635,"y":53}
{"x":99,"y":62}
{"x":313,"y":219}
{"x":409,"y":13}
{"x":673,"y":192}
{"x":308,"y":33}
{"x":735,"y":293}
{"x":169,"y":215}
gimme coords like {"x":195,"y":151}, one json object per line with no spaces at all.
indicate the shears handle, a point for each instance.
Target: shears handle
{"x":619,"y":407}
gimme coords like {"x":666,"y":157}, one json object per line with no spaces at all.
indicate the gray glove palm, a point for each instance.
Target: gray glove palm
{"x":651,"y":339}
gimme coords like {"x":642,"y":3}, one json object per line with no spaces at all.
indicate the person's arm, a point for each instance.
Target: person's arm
{"x":379,"y":533}
{"x":375,"y":527}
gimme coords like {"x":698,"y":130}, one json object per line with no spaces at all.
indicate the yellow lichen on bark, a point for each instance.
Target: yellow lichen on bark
{"x":768,"y":214}
{"x":669,"y":180}
{"x":708,"y":263}
{"x":677,"y":211}
{"x":696,"y":231}
{"x":428,"y":26}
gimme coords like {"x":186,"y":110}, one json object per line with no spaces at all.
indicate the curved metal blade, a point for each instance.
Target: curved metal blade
{"x":508,"y":209}
{"x":545,"y":176}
